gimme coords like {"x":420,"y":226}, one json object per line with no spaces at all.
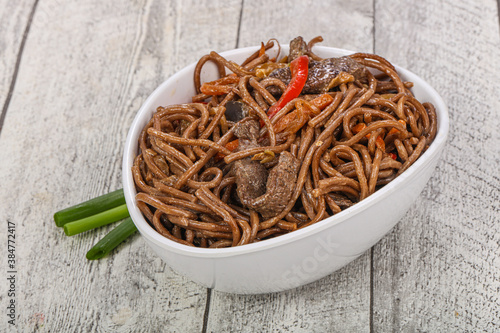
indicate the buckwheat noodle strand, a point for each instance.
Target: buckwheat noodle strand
{"x":371,"y":129}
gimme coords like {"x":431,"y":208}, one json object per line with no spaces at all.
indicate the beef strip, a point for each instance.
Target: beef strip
{"x":251,"y":176}
{"x":298,"y":47}
{"x":265,"y":192}
{"x":247,"y":132}
{"x":236,"y":110}
{"x":321,"y":73}
{"x":279,"y":187}
{"x":341,"y":200}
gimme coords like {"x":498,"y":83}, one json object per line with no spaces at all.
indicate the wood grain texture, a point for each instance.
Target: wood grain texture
{"x":343,"y":24}
{"x":14,"y":18}
{"x":341,"y":301}
{"x":439,"y":271}
{"x":337,"y":303}
{"x":87,"y":68}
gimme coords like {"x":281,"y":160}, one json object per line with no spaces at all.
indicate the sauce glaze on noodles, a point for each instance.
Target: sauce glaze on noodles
{"x":365,"y":133}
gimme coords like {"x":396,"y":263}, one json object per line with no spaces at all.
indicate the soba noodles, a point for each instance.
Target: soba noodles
{"x":276,"y":145}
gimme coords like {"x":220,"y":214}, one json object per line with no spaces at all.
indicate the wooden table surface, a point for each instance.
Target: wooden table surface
{"x":74,"y":73}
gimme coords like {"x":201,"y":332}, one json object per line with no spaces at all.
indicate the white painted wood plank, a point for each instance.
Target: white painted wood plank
{"x":341,"y":301}
{"x":85,"y":72}
{"x":14,"y":17}
{"x":342,"y":24}
{"x":439,"y":271}
{"x":88,"y":67}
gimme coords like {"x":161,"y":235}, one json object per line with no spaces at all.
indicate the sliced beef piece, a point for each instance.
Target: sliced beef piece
{"x":236,"y":110}
{"x":247,"y":130}
{"x":251,"y":176}
{"x":341,"y":200}
{"x":279,"y":187}
{"x":321,"y":73}
{"x":265,"y":192}
{"x":298,"y":47}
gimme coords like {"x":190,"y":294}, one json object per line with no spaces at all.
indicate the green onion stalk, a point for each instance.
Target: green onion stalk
{"x":95,"y":213}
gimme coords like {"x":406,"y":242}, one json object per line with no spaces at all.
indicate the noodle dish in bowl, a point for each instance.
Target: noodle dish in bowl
{"x":266,"y":168}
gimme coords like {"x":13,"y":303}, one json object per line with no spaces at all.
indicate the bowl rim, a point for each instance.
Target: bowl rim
{"x":153,"y":236}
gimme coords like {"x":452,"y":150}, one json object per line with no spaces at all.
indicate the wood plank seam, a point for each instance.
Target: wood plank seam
{"x":239,"y":24}
{"x":17,"y":65}
{"x":371,"y":307}
{"x":206,"y":315}
{"x":370,"y":318}
{"x":498,"y":12}
{"x":207,"y":311}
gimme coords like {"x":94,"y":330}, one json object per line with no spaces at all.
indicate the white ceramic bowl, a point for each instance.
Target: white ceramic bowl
{"x":302,"y":256}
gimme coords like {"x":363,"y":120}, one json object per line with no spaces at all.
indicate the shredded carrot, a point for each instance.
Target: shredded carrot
{"x":395,"y":130}
{"x":358,"y":128}
{"x":379,"y":141}
{"x":285,"y":121}
{"x":231,"y":145}
{"x":293,"y":121}
{"x":322,"y":101}
{"x":262,"y":50}
{"x":220,"y":86}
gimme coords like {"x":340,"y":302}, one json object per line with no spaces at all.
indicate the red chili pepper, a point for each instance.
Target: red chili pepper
{"x":299,"y":69}
{"x":393,"y":156}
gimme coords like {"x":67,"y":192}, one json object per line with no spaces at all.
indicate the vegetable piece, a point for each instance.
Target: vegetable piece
{"x":231,"y":145}
{"x":307,"y":108}
{"x":90,"y":207}
{"x":395,"y":130}
{"x":220,"y":86}
{"x":302,"y":119}
{"x":285,"y":122}
{"x":236,"y":111}
{"x":112,"y":239}
{"x":262,"y":50}
{"x":379,"y":141}
{"x":341,"y":77}
{"x":212,"y":89}
{"x":264,"y":157}
{"x":267,"y":68}
{"x":299,"y":71}
{"x":322,"y":101}
{"x":97,"y":220}
{"x":293,"y":121}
